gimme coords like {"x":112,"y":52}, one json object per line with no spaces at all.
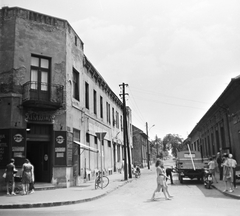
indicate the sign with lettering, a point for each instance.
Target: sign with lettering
{"x":4,"y":147}
{"x":18,"y":138}
{"x":60,"y":148}
{"x":39,"y":117}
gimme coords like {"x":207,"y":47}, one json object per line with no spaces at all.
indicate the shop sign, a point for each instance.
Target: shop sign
{"x":60,"y":148}
{"x":18,"y":138}
{"x":18,"y":147}
{"x":59,"y":139}
{"x":39,"y":117}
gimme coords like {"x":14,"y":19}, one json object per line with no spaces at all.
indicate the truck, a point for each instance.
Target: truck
{"x":190,"y":164}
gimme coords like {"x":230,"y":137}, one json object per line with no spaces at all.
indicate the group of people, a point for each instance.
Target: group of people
{"x":27,"y":175}
{"x":225,"y":165}
{"x":161,"y":180}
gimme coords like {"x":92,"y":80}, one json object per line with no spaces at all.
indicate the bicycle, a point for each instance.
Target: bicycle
{"x":101,"y":182}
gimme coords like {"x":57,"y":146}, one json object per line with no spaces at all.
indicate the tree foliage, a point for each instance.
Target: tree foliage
{"x":172,"y":142}
{"x":157,"y":145}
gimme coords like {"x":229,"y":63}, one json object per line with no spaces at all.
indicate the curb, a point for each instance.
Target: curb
{"x":54,"y":204}
{"x":227,"y":194}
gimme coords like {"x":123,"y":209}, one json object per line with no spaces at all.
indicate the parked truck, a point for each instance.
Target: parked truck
{"x":190,"y":164}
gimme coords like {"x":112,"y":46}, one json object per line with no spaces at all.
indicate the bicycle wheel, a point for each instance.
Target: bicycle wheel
{"x":104,"y":183}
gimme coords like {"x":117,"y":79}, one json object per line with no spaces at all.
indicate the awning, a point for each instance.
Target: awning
{"x":86,"y":147}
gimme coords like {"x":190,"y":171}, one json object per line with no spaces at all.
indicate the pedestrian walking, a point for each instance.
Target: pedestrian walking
{"x":10,"y":173}
{"x":27,"y":171}
{"x":169,"y":174}
{"x":233,"y":164}
{"x":220,"y":167}
{"x":212,"y":167}
{"x":161,"y":181}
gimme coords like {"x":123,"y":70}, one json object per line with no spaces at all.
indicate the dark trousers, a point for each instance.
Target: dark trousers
{"x":220,"y":172}
{"x":169,"y":173}
{"x":234,"y":177}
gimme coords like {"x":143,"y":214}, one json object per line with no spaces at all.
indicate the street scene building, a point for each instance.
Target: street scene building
{"x":139,"y":151}
{"x":219,"y":129}
{"x":53,"y":102}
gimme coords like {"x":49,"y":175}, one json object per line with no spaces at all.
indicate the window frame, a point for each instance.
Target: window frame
{"x":76,"y":84}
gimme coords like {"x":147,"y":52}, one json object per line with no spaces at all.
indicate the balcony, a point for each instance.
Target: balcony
{"x":42,"y":95}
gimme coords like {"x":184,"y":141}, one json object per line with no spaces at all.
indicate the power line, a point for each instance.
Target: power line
{"x":137,"y":108}
{"x":177,"y":105}
{"x":159,"y":94}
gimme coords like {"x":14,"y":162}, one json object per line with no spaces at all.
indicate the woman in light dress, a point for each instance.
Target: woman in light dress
{"x":27,"y":176}
{"x":161,"y":181}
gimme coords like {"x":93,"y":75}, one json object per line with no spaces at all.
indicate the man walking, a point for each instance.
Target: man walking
{"x":169,"y":173}
{"x":220,"y":168}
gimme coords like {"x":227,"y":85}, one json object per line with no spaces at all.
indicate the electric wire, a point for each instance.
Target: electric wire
{"x":159,"y":94}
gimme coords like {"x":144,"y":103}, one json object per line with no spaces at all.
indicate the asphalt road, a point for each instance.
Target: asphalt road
{"x":190,"y":199}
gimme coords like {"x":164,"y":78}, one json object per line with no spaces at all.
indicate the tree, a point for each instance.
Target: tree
{"x":172,"y":142}
{"x":157,"y":145}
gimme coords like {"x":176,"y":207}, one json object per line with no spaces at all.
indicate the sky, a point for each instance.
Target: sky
{"x":177,"y":56}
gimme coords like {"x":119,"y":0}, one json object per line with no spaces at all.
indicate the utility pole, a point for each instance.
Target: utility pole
{"x":148,"y":153}
{"x":125,"y":136}
{"x":147,"y":147}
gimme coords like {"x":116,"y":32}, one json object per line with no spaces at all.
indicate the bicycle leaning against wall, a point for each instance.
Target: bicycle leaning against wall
{"x":101,"y":182}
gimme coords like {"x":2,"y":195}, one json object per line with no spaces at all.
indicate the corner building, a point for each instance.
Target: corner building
{"x":53,"y":102}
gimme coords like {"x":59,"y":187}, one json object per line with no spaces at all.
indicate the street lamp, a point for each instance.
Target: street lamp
{"x":148,"y":153}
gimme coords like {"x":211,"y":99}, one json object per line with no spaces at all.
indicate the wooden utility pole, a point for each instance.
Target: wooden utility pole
{"x":125,"y":136}
{"x":147,"y":147}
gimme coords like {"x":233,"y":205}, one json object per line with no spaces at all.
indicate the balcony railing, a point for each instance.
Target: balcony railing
{"x":42,"y":95}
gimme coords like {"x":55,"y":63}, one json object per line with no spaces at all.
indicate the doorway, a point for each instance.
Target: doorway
{"x":38,"y":150}
{"x":38,"y":154}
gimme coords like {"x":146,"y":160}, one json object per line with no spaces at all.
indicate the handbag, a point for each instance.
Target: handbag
{"x":4,"y":175}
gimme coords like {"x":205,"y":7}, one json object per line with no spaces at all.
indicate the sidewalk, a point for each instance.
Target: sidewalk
{"x":63,"y":196}
{"x":220,"y":186}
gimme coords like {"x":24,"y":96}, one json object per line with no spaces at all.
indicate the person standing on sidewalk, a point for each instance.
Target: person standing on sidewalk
{"x":31,"y":185}
{"x":227,"y":174}
{"x":212,"y":168}
{"x":26,"y":176}
{"x":233,"y":164}
{"x":10,"y":172}
{"x":220,"y":168}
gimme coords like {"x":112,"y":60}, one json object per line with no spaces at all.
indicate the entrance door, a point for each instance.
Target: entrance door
{"x":38,"y":154}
